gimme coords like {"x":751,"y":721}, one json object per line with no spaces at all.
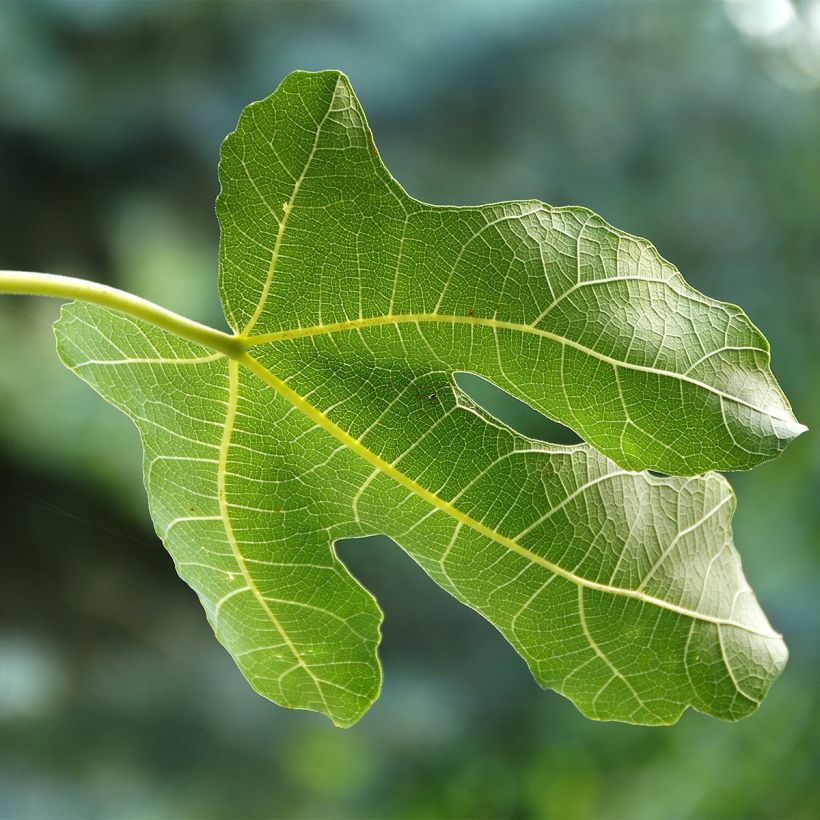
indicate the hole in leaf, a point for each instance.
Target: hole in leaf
{"x":513,"y":412}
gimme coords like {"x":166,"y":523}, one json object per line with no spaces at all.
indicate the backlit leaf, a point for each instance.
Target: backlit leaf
{"x":355,"y":305}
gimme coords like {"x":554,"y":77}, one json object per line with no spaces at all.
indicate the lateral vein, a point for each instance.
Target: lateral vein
{"x":319,"y":418}
{"x":224,"y":509}
{"x":478,"y":321}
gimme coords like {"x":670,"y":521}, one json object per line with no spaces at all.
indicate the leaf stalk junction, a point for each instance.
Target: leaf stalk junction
{"x":24,"y":283}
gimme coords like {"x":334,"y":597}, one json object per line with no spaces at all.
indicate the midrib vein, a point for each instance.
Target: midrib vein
{"x":288,"y":208}
{"x":224,"y":511}
{"x":478,"y":321}
{"x":320,"y":419}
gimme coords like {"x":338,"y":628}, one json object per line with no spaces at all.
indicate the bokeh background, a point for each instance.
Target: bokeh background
{"x":694,"y":124}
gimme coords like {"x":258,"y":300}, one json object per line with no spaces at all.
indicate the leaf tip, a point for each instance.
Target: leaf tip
{"x":799,"y":428}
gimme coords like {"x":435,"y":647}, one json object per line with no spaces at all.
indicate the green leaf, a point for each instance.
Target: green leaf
{"x":584,"y":322}
{"x":338,"y":416}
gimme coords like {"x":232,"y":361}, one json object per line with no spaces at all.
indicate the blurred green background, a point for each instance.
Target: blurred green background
{"x":694,"y":124}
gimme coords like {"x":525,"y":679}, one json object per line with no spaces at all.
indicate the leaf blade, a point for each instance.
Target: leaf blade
{"x":501,"y":556}
{"x":522,"y":280}
{"x":287,"y":616}
{"x":356,"y":305}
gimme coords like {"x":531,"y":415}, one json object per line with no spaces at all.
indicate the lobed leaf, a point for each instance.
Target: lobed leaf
{"x":355,"y":305}
{"x":587,"y":324}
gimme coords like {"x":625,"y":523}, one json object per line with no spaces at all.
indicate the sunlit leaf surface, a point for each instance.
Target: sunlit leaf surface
{"x":621,"y":590}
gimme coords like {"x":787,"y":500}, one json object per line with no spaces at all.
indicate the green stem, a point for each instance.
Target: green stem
{"x":67,"y":287}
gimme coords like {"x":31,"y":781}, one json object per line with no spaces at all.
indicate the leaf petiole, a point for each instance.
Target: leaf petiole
{"x":69,"y":287}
